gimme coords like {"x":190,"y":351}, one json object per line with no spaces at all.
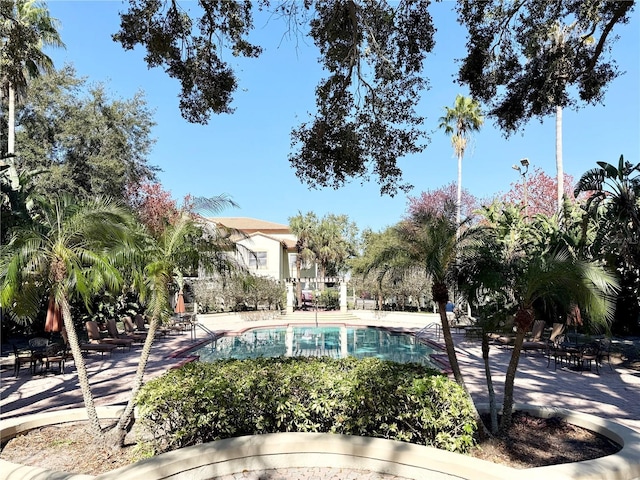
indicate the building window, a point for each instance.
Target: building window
{"x":258,"y":260}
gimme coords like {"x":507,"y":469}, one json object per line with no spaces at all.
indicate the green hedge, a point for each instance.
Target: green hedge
{"x":203,"y":402}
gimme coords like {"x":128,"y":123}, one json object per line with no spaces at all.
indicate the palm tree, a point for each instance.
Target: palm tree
{"x":526,"y":265}
{"x":66,"y":253}
{"x":17,"y":191}
{"x":431,"y":241}
{"x":555,"y":277}
{"x":334,"y":243}
{"x":480,"y":278}
{"x":428,"y":240}
{"x":557,"y":53}
{"x":303,"y":227}
{"x":459,"y":122}
{"x":186,"y":245}
{"x":26,"y":29}
{"x":613,"y":218}
{"x":378,"y":260}
{"x":614,"y":196}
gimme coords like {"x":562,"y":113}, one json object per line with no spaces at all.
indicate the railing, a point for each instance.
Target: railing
{"x":195,"y":325}
{"x":434,"y":328}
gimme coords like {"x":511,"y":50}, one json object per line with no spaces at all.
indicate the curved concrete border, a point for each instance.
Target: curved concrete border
{"x":282,"y":450}
{"x":12,"y":427}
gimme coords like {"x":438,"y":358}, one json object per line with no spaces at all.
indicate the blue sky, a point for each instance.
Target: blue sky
{"x":245,"y":154}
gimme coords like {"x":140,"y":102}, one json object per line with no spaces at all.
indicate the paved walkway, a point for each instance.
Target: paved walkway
{"x":613,"y":394}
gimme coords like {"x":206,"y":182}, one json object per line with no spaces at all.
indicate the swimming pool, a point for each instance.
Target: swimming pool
{"x":333,"y":341}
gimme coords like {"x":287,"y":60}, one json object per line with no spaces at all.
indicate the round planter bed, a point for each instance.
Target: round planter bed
{"x":298,"y":450}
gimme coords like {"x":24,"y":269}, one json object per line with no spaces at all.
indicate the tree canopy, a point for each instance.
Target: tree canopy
{"x":541,"y":190}
{"x":25,"y":27}
{"x":374,"y":56}
{"x":525,"y":58}
{"x":89,"y":143}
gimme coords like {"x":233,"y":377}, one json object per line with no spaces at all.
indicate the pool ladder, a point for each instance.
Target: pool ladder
{"x":433,"y":330}
{"x":195,"y":325}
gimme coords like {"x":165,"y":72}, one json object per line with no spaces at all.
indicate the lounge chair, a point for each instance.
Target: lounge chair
{"x":141,"y":328}
{"x":504,"y":335}
{"x":112,"y":330}
{"x":535,"y":342}
{"x":86,"y":347}
{"x":94,"y":336}
{"x":129,"y":330}
{"x":556,"y":331}
{"x":502,"y":339}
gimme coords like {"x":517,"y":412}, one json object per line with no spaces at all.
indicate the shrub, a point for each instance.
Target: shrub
{"x":203,"y":402}
{"x":330,"y":299}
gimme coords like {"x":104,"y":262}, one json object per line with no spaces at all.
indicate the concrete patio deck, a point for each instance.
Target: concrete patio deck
{"x":612,"y":395}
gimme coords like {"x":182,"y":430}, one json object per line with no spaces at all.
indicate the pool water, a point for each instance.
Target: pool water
{"x":311,"y":341}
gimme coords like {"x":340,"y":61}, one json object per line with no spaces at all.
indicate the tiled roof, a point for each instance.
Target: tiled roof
{"x":251,"y":225}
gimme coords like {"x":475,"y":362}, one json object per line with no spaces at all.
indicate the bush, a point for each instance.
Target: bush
{"x":330,"y":299}
{"x":203,"y":402}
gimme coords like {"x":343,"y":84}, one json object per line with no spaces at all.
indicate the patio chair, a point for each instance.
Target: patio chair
{"x":94,"y":336}
{"x":180,"y":324}
{"x":56,"y":353}
{"x":38,"y":347}
{"x":558,"y":349}
{"x":589,"y":355}
{"x":604,"y":352}
{"x":23,"y":357}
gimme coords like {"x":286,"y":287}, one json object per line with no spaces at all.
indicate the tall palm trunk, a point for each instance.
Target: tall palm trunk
{"x":449,"y":346}
{"x":559,"y":167}
{"x":81,"y":369}
{"x":11,"y":136}
{"x":459,"y":196}
{"x":116,"y":436}
{"x":455,"y":367}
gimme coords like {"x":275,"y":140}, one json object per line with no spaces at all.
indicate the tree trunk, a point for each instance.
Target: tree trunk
{"x":459,"y":197}
{"x":116,"y":436}
{"x":559,"y":167}
{"x":11,"y":133}
{"x":493,"y":408}
{"x":450,"y":347}
{"x":81,"y":369}
{"x":298,"y":283}
{"x":323,"y":272}
{"x":509,"y":381}
{"x":455,"y":367}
